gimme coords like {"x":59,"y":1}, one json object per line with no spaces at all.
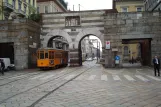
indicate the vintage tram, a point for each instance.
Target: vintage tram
{"x":51,"y":58}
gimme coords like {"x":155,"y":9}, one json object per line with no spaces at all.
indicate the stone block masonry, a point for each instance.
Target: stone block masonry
{"x":107,"y":25}
{"x":25,"y":35}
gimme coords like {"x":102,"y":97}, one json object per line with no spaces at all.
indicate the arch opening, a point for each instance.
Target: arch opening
{"x":58,"y":42}
{"x":89,"y":48}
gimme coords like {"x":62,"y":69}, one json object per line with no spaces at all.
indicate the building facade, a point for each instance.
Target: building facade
{"x":13,"y":8}
{"x":50,"y":6}
{"x":152,"y":5}
{"x":129,"y":5}
{"x":87,"y":48}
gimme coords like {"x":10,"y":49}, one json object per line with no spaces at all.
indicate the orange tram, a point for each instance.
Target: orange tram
{"x":49,"y":58}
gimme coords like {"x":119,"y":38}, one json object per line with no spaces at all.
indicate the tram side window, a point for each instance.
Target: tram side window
{"x":58,"y":55}
{"x":51,"y":55}
{"x":41,"y":54}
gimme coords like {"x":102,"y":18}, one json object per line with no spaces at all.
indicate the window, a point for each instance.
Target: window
{"x":72,"y":21}
{"x":25,"y":8}
{"x":38,"y":10}
{"x":126,"y":52}
{"x":33,"y":2}
{"x":13,"y":3}
{"x":41,"y":54}
{"x":19,"y":5}
{"x":46,"y":55}
{"x":58,"y":55}
{"x":138,"y":9}
{"x":51,"y":55}
{"x":46,"y":9}
{"x":124,"y":9}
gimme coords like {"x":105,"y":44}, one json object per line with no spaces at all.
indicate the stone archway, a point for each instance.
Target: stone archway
{"x":57,"y":33}
{"x":89,"y":31}
{"x":75,"y":60}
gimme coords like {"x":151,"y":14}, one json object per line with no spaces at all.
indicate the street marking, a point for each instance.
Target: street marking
{"x":36,"y":77}
{"x":116,"y":78}
{"x":47,"y":77}
{"x":142,"y":78}
{"x":157,"y":79}
{"x":69,"y":77}
{"x":129,"y":78}
{"x":104,"y":77}
{"x":80,"y":77}
{"x":92,"y":77}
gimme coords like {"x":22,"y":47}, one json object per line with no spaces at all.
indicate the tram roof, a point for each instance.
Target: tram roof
{"x":51,"y":49}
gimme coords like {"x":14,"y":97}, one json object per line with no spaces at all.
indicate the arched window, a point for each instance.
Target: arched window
{"x":126,"y":52}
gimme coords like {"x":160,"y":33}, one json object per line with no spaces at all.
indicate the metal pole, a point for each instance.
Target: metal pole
{"x":73,"y":7}
{"x":97,"y":50}
{"x":79,"y":7}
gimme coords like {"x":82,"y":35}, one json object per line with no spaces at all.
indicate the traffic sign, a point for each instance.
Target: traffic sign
{"x":108,"y":44}
{"x":117,"y":57}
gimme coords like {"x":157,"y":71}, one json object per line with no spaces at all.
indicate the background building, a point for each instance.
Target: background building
{"x":49,"y":6}
{"x":12,"y":8}
{"x":87,"y":48}
{"x":152,"y":5}
{"x":131,"y":51}
{"x":129,"y":5}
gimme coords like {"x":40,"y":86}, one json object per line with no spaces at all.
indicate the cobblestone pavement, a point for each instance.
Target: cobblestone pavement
{"x":88,"y":86}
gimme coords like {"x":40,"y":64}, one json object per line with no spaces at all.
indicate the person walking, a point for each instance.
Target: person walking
{"x":156,"y":63}
{"x":2,"y":66}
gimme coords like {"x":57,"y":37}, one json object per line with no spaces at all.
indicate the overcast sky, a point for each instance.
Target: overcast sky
{"x":89,"y":4}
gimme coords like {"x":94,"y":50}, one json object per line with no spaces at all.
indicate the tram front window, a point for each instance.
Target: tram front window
{"x":46,"y":55}
{"x":41,"y":54}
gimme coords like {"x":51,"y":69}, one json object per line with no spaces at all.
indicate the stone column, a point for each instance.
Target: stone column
{"x":54,"y":45}
{"x":74,"y":58}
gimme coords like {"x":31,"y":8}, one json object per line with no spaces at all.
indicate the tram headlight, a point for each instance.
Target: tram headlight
{"x":51,"y":62}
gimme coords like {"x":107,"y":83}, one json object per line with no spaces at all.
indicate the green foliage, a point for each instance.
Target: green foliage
{"x":64,"y":3}
{"x":35,"y":17}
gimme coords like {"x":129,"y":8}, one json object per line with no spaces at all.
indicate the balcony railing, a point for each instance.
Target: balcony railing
{"x":5,"y":4}
{"x":21,"y":12}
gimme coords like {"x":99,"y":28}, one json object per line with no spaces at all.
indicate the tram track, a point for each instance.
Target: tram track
{"x":25,"y":77}
{"x":55,"y":78}
{"x":61,"y":85}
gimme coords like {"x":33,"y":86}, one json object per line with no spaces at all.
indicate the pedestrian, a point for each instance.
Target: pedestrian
{"x":2,"y":66}
{"x":132,"y":60}
{"x":156,"y":63}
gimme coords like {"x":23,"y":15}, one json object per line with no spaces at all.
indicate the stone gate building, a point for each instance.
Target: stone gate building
{"x":19,"y":40}
{"x":107,"y":25}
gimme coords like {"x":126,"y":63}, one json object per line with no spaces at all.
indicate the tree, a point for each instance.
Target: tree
{"x":35,"y":17}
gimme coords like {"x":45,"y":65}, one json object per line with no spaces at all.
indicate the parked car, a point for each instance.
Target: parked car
{"x":12,"y":67}
{"x":8,"y":65}
{"x":89,"y":59}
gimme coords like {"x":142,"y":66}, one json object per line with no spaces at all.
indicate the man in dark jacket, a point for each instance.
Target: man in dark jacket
{"x":156,"y":63}
{"x":2,"y":66}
